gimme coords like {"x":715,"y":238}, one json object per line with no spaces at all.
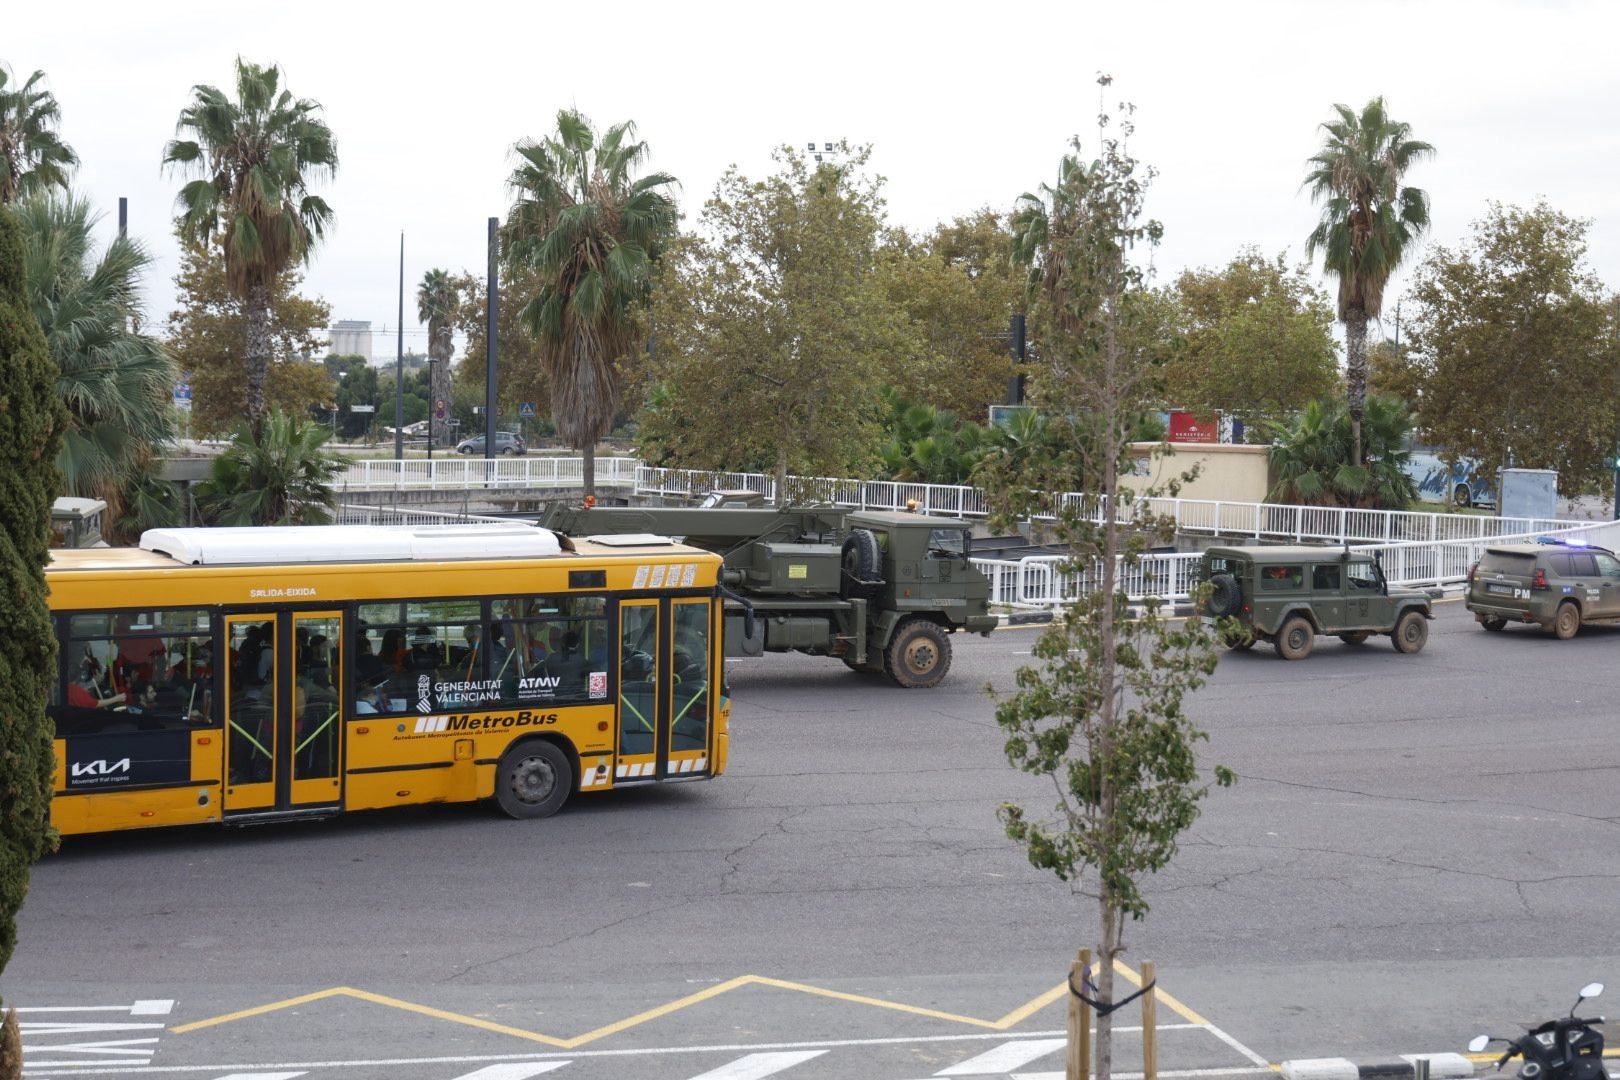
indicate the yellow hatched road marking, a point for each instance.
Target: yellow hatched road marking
{"x":1011,"y":1019}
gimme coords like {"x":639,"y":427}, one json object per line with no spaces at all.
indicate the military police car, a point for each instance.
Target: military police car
{"x":1555,"y":584}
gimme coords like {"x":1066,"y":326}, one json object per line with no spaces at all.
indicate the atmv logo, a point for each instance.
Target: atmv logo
{"x":540,"y":682}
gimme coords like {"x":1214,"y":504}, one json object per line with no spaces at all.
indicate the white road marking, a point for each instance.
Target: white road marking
{"x":155,"y":1007}
{"x":55,"y":1027}
{"x":262,"y":1076}
{"x":1239,"y":1047}
{"x":1005,"y":1058}
{"x":759,"y":1066}
{"x":473,"y":1059}
{"x":521,"y":1070}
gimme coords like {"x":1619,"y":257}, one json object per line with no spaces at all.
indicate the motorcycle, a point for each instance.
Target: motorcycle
{"x":1566,"y":1049}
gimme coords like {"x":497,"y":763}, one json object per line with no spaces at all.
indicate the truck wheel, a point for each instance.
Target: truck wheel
{"x":1567,"y":621}
{"x":1355,"y":637}
{"x":1225,"y":595}
{"x":1411,"y":632}
{"x":1462,"y":496}
{"x":1493,"y":623}
{"x":1294,"y":639}
{"x":533,"y":779}
{"x":918,"y":655}
{"x":862,"y":563}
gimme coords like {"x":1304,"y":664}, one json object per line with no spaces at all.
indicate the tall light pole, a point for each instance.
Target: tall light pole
{"x":399,"y":362}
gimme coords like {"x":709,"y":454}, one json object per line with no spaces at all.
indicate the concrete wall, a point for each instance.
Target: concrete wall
{"x":1227,"y":473}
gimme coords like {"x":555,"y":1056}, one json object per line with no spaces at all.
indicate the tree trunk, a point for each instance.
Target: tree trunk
{"x":443,"y":432}
{"x":588,"y":463}
{"x":1355,"y":376}
{"x":257,"y":311}
{"x":1109,"y":409}
{"x":781,"y":477}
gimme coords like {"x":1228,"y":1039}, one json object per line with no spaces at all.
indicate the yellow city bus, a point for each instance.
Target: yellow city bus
{"x":251,"y":675}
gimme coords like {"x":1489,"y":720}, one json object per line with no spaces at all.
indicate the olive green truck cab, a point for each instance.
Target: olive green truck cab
{"x":1557,"y":586}
{"x":881,"y":591}
{"x":1289,"y":596}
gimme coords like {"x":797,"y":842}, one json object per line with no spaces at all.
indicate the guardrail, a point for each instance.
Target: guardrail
{"x":1262,"y":521}
{"x":384,"y":515}
{"x":460,"y":472}
{"x":1040,"y":581}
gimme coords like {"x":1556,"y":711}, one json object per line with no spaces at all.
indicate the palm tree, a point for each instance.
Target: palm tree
{"x":1369,"y":220}
{"x":592,"y":235}
{"x":1312,"y":461}
{"x":436,"y":302}
{"x":257,"y":156}
{"x":115,"y":380}
{"x":279,"y":476}
{"x":32,"y":157}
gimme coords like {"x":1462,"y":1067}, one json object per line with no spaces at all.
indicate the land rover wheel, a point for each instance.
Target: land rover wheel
{"x":533,"y":779}
{"x":1294,"y":639}
{"x":918,"y":655}
{"x":1411,"y":632}
{"x":1356,"y":637}
{"x":1225,"y":595}
{"x":1493,"y":623}
{"x":862,"y":564}
{"x":1567,"y":621}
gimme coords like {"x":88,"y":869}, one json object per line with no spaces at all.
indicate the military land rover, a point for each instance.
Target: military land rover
{"x":1289,"y":596}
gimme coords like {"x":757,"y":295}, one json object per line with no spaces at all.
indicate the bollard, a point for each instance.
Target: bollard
{"x":1150,"y":1037}
{"x":1079,"y":1058}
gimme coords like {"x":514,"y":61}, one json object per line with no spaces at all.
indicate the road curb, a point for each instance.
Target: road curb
{"x":1441,"y":1067}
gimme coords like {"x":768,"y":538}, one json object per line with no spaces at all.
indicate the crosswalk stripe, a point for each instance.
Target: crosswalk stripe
{"x":518,"y":1070}
{"x":262,"y":1076}
{"x":759,"y":1066}
{"x":1005,"y":1058}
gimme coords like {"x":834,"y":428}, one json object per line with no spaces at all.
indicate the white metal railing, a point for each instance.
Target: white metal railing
{"x":460,"y":472}
{"x":1040,"y":581}
{"x":348,"y":514}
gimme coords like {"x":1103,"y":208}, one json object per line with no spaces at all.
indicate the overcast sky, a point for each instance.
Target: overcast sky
{"x":966,"y":105}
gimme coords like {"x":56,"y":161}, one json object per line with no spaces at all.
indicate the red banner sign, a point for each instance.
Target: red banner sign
{"x":1186,"y":427}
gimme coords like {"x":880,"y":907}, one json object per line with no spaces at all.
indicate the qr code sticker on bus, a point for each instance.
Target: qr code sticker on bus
{"x":598,"y":684}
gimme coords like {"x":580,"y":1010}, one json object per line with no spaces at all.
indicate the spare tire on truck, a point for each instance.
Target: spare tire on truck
{"x":862,"y":566}
{"x":1225,"y":595}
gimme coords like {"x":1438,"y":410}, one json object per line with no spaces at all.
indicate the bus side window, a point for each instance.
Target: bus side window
{"x":136,"y":672}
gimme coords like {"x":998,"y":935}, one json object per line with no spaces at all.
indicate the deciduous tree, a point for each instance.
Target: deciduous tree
{"x":1517,"y":340}
{"x":208,"y":336}
{"x":1256,"y":341}
{"x":772,"y":328}
{"x":1101,"y":716}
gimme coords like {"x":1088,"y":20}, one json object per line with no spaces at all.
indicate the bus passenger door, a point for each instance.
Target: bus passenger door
{"x":282,"y":689}
{"x":692,"y":667}
{"x":251,"y":679}
{"x":643,"y":710}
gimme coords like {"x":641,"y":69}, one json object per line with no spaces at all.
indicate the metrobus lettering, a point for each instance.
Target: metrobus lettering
{"x":468,"y":722}
{"x":100,"y":768}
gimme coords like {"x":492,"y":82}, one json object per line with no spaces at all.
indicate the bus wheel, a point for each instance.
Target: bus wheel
{"x":1462,"y":496}
{"x":533,"y":779}
{"x":918,"y":655}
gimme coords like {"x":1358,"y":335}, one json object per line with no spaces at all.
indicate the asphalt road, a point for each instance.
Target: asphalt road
{"x":1418,"y":849}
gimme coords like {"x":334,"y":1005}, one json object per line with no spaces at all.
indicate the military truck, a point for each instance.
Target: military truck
{"x":880,"y":591}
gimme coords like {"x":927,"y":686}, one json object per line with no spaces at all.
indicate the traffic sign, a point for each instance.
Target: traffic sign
{"x":362,"y":408}
{"x":526,"y":408}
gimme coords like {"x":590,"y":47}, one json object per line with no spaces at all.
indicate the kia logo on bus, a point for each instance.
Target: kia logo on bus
{"x":102,"y":767}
